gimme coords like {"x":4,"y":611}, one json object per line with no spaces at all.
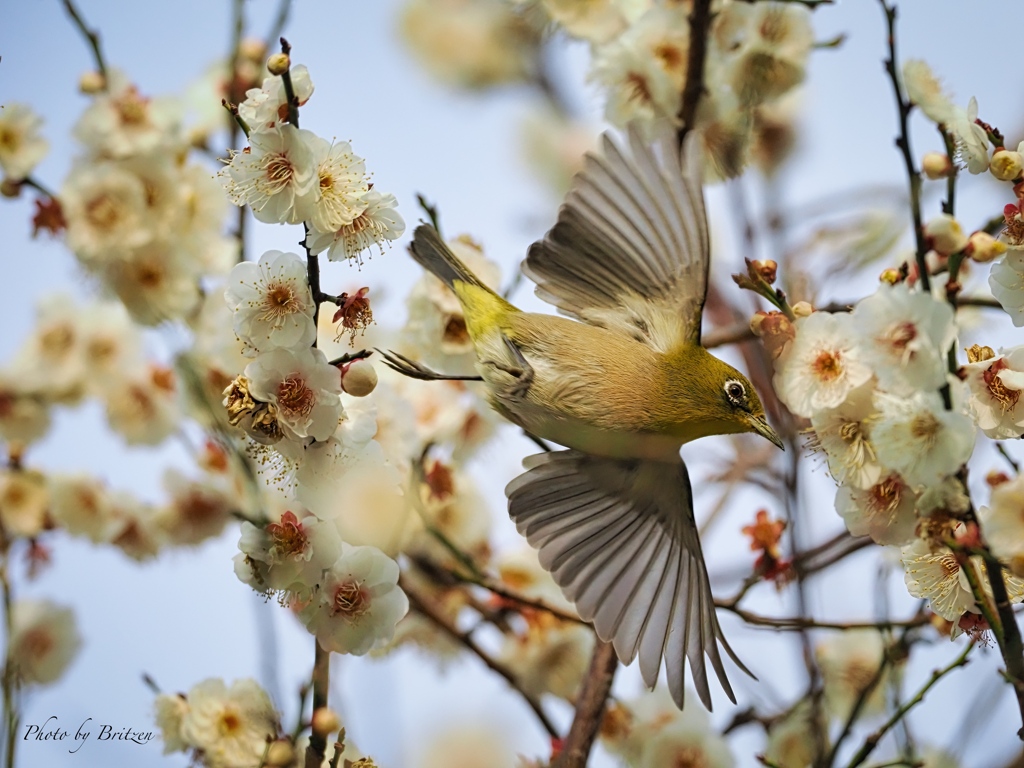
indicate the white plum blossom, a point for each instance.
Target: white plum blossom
{"x":1007,"y":283}
{"x":272,"y":303}
{"x":230,"y":726}
{"x":289,"y":552}
{"x":24,"y":408}
{"x":22,"y":146}
{"x":303,"y":386}
{"x":886,"y":511}
{"x":917,"y":437}
{"x":121,"y":122}
{"x":51,"y":360}
{"x":1003,"y":523}
{"x":266,"y":106}
{"x":842,"y":433}
{"x":358,"y":604}
{"x":44,"y":640}
{"x":549,"y":658}
{"x":377,"y":222}
{"x":849,"y":661}
{"x":971,"y":139}
{"x":156,"y":283}
{"x":143,"y":407}
{"x":904,"y":337}
{"x":596,"y":21}
{"x":106,"y":211}
{"x":925,"y":91}
{"x":995,"y":383}
{"x":936,"y":576}
{"x":772,"y":56}
{"x":169,"y":713}
{"x":275,"y":176}
{"x":80,"y":504}
{"x":822,"y":365}
{"x":112,"y":345}
{"x":196,"y":510}
{"x":24,"y":500}
{"x":342,"y":184}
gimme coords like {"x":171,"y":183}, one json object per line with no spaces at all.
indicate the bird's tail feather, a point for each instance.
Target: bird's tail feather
{"x":431,"y":252}
{"x":620,"y":540}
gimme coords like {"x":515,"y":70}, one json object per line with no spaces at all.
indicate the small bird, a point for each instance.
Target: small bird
{"x":622,"y":386}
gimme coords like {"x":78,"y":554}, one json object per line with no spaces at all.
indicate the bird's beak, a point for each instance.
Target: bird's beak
{"x":760,"y":425}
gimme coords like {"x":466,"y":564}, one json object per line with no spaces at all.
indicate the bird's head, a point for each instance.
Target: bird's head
{"x":710,"y":397}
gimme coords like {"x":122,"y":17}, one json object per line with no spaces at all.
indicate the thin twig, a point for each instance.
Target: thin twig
{"x":693,"y":89}
{"x":590,"y":706}
{"x":91,"y":36}
{"x":423,"y":606}
{"x":872,"y":741}
{"x":317,"y":749}
{"x":793,"y":623}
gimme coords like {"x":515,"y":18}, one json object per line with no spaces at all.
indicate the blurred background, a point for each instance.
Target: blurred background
{"x":185,"y":616}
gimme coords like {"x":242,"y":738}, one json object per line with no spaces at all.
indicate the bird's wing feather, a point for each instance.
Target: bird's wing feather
{"x":630,"y":248}
{"x":620,"y":540}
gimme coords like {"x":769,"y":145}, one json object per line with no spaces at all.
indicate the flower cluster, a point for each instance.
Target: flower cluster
{"x":289,"y":176}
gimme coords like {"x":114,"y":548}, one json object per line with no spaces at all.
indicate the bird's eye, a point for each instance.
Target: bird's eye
{"x":735,"y":390}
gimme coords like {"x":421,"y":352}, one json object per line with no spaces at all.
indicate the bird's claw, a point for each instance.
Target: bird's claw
{"x":414,"y":370}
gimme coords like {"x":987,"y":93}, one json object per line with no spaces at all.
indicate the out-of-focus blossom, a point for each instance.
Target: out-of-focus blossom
{"x":452,"y":505}
{"x":272,"y":304}
{"x":50,"y":361}
{"x":169,"y":712}
{"x":983,"y":248}
{"x":80,"y":504}
{"x":596,"y":21}
{"x":945,"y":235}
{"x":229,"y":725}
{"x":358,"y":603}
{"x":822,"y":365}
{"x":554,"y":146}
{"x":471,"y":43}
{"x":550,"y":657}
{"x":1003,"y":523}
{"x":849,"y":661}
{"x":971,"y":139}
{"x":1007,"y":283}
{"x":378,"y":222}
{"x":24,"y":501}
{"x":156,"y":282}
{"x":196,"y":510}
{"x":24,"y":409}
{"x":112,"y":345}
{"x":792,"y":741}
{"x":144,"y":408}
{"x":44,"y":640}
{"x":22,"y":146}
{"x":916,"y":436}
{"x":771,"y":59}
{"x":925,"y":91}
{"x":105,"y":208}
{"x":466,"y":746}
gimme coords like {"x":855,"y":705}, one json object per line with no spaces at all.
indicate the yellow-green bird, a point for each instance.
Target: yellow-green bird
{"x":622,"y":386}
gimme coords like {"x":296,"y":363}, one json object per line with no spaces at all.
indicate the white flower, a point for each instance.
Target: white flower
{"x":197,"y":509}
{"x":596,"y":21}
{"x":937,"y":577}
{"x":905,"y":337}
{"x":24,"y":500}
{"x":51,"y":360}
{"x":276,"y":177}
{"x":80,"y":504}
{"x":289,"y":552}
{"x":342,"y":184}
{"x":303,"y":386}
{"x":170,"y":711}
{"x":272,"y":304}
{"x":995,"y":384}
{"x":156,"y":283}
{"x":925,"y":90}
{"x":144,"y":408}
{"x":44,"y":640}
{"x":134,"y":531}
{"x":358,"y":604}
{"x":971,"y":139}
{"x":359,"y":491}
{"x":822,"y":365}
{"x":644,"y":69}
{"x":792,"y":742}
{"x":24,"y":409}
{"x":230,"y":725}
{"x":685,"y":739}
{"x":105,"y":208}
{"x":451,"y":504}
{"x":885,"y":511}
{"x":849,"y":661}
{"x":550,"y":657}
{"x":121,"y":122}
{"x":264,"y":107}
{"x":1007,"y":283}
{"x":916,"y":436}
{"x":843,"y":434}
{"x":772,"y":56}
{"x":111,"y":344}
{"x":1003,"y":523}
{"x":21,"y":144}
{"x":378,"y":222}
{"x":945,"y":235}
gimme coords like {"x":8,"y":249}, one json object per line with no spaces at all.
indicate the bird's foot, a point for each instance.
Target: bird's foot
{"x":415,"y":370}
{"x":521,"y":371}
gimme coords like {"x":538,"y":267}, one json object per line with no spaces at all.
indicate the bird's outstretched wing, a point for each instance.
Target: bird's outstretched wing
{"x":620,"y":540}
{"x":630,"y":248}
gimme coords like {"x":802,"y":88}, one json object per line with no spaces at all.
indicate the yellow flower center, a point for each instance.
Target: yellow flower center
{"x":294,"y":396}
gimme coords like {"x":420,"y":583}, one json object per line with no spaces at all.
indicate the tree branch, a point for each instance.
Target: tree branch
{"x":700,"y":23}
{"x":590,"y":706}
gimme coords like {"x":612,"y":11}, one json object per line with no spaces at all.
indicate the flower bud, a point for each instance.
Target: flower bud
{"x":936,"y":165}
{"x":10,"y":188}
{"x":1006,"y":165}
{"x":775,"y":330}
{"x":802,"y":309}
{"x":945,"y":235}
{"x":278,"y":64}
{"x":359,"y":378}
{"x":983,"y":247}
{"x":91,"y":83}
{"x":280,"y":753}
{"x":890,"y":276}
{"x":767,"y":269}
{"x":325,"y":721}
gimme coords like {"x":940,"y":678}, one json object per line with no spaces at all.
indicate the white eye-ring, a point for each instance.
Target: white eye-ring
{"x":735,"y":390}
